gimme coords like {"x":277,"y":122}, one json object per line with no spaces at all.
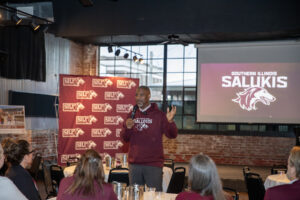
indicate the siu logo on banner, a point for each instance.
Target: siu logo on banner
{"x":68,"y":81}
{"x":104,"y":83}
{"x":86,"y":120}
{"x":72,"y":132}
{"x":85,"y":145}
{"x":124,"y":108}
{"x":86,"y":94}
{"x":113,"y":95}
{"x":252,"y":95}
{"x":104,"y":107}
{"x":72,"y":107}
{"x":125,"y":84}
{"x":113,"y":120}
{"x":112,"y":144}
{"x":100,"y":132}
{"x":118,"y":132}
{"x":71,"y":158}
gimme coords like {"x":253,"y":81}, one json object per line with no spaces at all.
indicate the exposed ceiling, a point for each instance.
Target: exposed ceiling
{"x":152,"y":21}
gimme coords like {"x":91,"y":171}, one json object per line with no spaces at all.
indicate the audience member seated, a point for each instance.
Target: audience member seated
{"x":5,"y":144}
{"x":203,"y":180}
{"x":87,"y":181}
{"x":19,"y":155}
{"x":288,"y":191}
{"x":8,"y":190}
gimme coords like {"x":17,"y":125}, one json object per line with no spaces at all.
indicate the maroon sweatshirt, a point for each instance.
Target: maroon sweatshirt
{"x":145,"y":137}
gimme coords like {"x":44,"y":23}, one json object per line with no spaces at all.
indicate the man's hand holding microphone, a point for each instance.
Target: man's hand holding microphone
{"x":129,"y":121}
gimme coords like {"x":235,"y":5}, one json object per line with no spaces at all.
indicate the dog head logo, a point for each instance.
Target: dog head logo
{"x":69,"y":81}
{"x":113,"y":95}
{"x":91,"y":144}
{"x":86,"y":120}
{"x":113,"y":120}
{"x":101,"y":107}
{"x":250,"y":96}
{"x":76,"y":132}
{"x":86,"y":94}
{"x":72,"y":107}
{"x":102,"y":132}
{"x":71,"y":158}
{"x":125,"y":84}
{"x":124,"y":108}
{"x":101,"y":83}
{"x":112,"y":144}
{"x":79,"y":131}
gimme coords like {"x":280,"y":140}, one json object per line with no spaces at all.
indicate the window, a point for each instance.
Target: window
{"x":181,"y":75}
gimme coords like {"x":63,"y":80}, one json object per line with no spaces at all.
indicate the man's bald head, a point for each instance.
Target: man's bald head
{"x":142,"y":96}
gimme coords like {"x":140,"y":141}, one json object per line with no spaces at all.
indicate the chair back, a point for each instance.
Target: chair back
{"x":47,"y":179}
{"x":235,"y":195}
{"x":119,"y":175}
{"x":169,"y":163}
{"x":56,"y":174}
{"x":177,"y":180}
{"x":277,"y":168}
{"x":35,"y":166}
{"x":246,"y":170}
{"x":255,"y":186}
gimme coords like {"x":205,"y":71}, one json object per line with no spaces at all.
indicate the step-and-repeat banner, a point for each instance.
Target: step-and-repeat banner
{"x":92,"y":111}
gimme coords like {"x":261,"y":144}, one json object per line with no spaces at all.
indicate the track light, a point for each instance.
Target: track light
{"x":126,"y":55}
{"x":117,"y":53}
{"x":135,"y":59}
{"x":141,"y":60}
{"x":35,"y":26}
{"x":16,"y":19}
{"x":110,"y":49}
{"x":44,"y":28}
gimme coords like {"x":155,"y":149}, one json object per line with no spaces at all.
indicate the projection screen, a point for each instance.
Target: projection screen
{"x":255,"y":82}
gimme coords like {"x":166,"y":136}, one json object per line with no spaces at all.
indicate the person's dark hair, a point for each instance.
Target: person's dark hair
{"x":16,"y":151}
{"x":203,"y":177}
{"x":88,"y":170}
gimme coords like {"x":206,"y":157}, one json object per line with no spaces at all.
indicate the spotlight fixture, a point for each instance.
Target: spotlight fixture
{"x":110,"y":49}
{"x":16,"y":19}
{"x":117,"y":53}
{"x":44,"y":28}
{"x":126,"y":55}
{"x":141,"y":60}
{"x":35,"y":26}
{"x":135,"y":59}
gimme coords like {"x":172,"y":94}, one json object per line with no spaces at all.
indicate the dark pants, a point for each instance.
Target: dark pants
{"x":149,"y":175}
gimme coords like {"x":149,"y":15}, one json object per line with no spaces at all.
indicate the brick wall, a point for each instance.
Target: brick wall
{"x":43,"y":141}
{"x":235,"y":150}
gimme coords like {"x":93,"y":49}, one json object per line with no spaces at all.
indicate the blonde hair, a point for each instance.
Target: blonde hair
{"x":88,"y":170}
{"x":294,"y":159}
{"x":204,"y":178}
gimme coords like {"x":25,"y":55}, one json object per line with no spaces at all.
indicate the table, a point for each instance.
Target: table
{"x":158,"y":196}
{"x":167,"y":174}
{"x":276,"y":179}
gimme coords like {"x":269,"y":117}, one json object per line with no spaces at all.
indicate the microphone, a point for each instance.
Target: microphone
{"x":134,"y":111}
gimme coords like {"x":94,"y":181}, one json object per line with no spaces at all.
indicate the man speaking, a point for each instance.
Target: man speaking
{"x":143,"y":130}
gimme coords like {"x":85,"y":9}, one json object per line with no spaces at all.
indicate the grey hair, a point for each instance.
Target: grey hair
{"x":204,"y":178}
